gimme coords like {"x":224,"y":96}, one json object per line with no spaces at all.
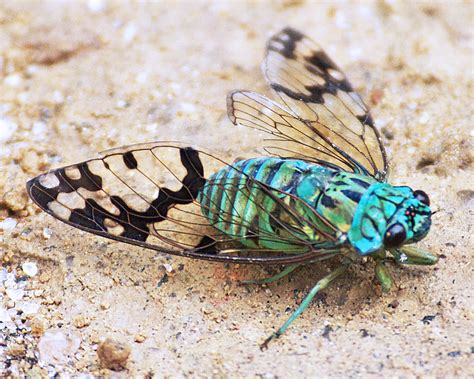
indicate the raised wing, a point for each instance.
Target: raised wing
{"x":146,"y":195}
{"x":324,"y":118}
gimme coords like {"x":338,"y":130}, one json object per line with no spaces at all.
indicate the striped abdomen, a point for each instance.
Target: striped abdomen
{"x":250,"y":212}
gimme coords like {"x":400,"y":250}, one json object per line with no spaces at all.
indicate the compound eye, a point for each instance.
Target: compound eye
{"x":395,"y":236}
{"x":422,"y":197}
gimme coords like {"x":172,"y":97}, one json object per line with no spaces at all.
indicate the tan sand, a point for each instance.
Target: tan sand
{"x":78,"y":78}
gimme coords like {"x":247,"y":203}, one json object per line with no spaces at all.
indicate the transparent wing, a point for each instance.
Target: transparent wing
{"x":146,"y":195}
{"x":321,"y":106}
{"x":291,"y":137}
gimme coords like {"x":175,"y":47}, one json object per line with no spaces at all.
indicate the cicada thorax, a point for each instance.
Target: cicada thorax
{"x":267,"y":202}
{"x":339,"y":200}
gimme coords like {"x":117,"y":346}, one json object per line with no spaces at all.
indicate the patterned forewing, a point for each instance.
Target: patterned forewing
{"x":318,"y":93}
{"x":129,"y":193}
{"x":147,"y":195}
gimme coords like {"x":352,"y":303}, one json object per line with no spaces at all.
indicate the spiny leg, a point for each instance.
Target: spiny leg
{"x":323,"y":283}
{"x":273,"y":278}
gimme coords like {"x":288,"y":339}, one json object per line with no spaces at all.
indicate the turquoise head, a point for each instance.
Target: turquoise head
{"x":389,"y":217}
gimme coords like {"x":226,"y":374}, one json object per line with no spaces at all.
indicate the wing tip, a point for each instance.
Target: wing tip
{"x":32,"y":185}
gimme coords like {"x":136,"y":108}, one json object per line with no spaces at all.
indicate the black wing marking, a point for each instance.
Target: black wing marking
{"x":146,"y":195}
{"x":323,"y":109}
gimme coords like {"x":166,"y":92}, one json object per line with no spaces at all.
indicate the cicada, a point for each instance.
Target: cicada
{"x":320,"y":192}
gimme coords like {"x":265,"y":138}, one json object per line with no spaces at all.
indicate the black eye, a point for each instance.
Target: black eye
{"x":395,"y":236}
{"x":422,"y":197}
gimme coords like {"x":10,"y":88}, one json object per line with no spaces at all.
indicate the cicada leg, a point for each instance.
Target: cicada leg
{"x":383,"y":275}
{"x":409,"y":255}
{"x":273,"y":278}
{"x":381,"y":271}
{"x":323,"y":283}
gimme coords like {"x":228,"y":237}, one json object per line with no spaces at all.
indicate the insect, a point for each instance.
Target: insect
{"x":321,"y":192}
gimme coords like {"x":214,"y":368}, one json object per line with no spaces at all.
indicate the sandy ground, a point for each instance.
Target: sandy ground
{"x":78,"y":78}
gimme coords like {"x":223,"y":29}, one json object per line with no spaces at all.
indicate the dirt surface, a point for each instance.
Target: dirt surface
{"x":78,"y":78}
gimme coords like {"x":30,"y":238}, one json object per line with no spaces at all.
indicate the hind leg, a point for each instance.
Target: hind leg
{"x":323,"y":283}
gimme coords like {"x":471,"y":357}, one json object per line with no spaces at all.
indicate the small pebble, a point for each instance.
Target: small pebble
{"x":39,"y":128}
{"x":28,"y":307}
{"x":13,"y":80}
{"x":4,"y":315}
{"x":3,"y":274}
{"x":140,"y":338}
{"x":81,"y":321}
{"x":113,"y":354}
{"x":15,"y":293}
{"x":58,"y":97}
{"x":16,"y":350}
{"x":37,"y":326}
{"x":96,"y":6}
{"x":9,"y":223}
{"x":104,"y":306}
{"x":129,"y":33}
{"x":30,"y":268}
{"x":47,"y":233}
{"x":121,"y":104}
{"x":58,"y":346}
{"x":168,"y":267}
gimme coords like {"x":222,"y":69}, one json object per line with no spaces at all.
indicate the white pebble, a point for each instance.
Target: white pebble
{"x":7,"y":129}
{"x":412,"y":106}
{"x":28,"y":307}
{"x":8,"y":224}
{"x":129,"y":33}
{"x":58,"y":346}
{"x":32,"y":69}
{"x":4,"y":108}
{"x":142,"y":77}
{"x":13,"y":80}
{"x":176,"y":87}
{"x":168,"y":267}
{"x":4,"y":315}
{"x":58,"y":97}
{"x":188,"y":108}
{"x":96,"y":6}
{"x":121,"y":104}
{"x":153,"y":127}
{"x":424,"y":118}
{"x":30,"y":268}
{"x":39,"y":128}
{"x":47,"y":233}
{"x":3,"y":274}
{"x":15,"y":293}
{"x":23,"y":97}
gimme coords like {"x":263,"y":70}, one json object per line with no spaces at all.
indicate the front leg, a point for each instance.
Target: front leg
{"x":383,"y":275}
{"x":410,"y":255}
{"x":381,"y":271}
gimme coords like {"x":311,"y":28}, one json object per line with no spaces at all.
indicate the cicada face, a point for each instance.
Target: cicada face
{"x":410,"y":223}
{"x":388,"y":217}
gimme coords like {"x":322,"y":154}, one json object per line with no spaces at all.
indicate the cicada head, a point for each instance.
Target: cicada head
{"x":389,"y":217}
{"x":410,"y":223}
